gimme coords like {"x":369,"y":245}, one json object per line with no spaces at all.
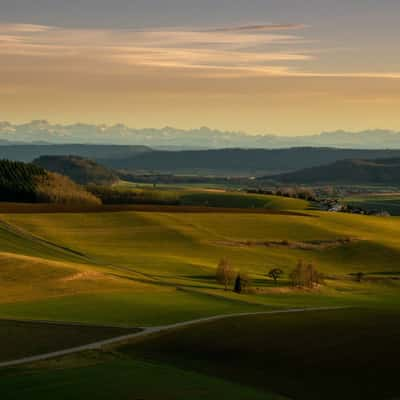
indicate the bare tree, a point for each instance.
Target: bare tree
{"x":275,"y":274}
{"x":225,"y":274}
{"x":246,"y":281}
{"x":306,"y":275}
{"x":297,"y":275}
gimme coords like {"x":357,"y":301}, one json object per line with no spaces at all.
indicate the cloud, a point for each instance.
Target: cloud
{"x":231,"y":52}
{"x":24,"y":28}
{"x":263,"y":28}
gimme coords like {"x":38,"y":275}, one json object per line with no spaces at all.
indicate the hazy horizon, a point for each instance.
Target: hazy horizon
{"x":265,"y":132}
{"x":42,"y":131}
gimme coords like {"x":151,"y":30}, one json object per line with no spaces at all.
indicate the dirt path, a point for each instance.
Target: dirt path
{"x":152,"y":330}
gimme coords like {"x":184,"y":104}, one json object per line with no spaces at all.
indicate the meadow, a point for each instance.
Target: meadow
{"x":137,"y":268}
{"x":24,"y":339}
{"x":389,"y":202}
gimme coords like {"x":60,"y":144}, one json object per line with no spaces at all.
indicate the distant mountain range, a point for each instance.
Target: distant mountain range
{"x":381,"y":171}
{"x":42,"y":132}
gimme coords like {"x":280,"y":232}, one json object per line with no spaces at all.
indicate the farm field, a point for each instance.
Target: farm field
{"x":203,"y":197}
{"x":286,"y":356}
{"x":377,"y":202}
{"x":300,"y":356}
{"x":135,"y":268}
{"x":138,"y":260}
{"x":24,"y":339}
{"x":98,"y":375}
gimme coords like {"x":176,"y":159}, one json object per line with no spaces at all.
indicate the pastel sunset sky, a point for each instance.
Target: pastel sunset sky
{"x":288,"y":67}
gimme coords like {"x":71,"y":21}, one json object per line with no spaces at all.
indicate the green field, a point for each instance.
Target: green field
{"x":190,"y":196}
{"x":346,"y":354}
{"x":151,"y":268}
{"x":24,"y":339}
{"x":376,"y":202}
{"x":138,"y":260}
{"x":124,"y":379}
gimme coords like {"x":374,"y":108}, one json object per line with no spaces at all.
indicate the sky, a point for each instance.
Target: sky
{"x":289,"y":67}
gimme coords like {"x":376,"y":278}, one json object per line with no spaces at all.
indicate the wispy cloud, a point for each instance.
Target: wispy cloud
{"x":238,"y":51}
{"x":271,"y":27}
{"x":24,"y":28}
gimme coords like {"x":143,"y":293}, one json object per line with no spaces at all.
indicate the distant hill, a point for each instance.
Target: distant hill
{"x":380,"y":171}
{"x":42,"y":131}
{"x":29,"y":183}
{"x":79,"y":169}
{"x":221,"y":162}
{"x":254,"y":162}
{"x":28,"y":152}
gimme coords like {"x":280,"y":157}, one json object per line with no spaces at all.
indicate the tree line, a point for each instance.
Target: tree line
{"x":29,"y":183}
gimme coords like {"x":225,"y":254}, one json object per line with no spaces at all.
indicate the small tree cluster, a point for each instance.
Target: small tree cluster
{"x":296,"y":192}
{"x":305,"y":275}
{"x":228,"y":277}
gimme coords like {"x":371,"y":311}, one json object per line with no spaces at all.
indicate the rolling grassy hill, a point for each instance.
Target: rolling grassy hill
{"x":126,"y":266}
{"x":128,"y":193}
{"x":136,"y":268}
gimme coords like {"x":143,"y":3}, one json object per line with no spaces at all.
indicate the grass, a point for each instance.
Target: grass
{"x":24,"y":339}
{"x":124,"y":379}
{"x":125,"y":308}
{"x":168,"y":244}
{"x":141,"y":268}
{"x":376,"y":202}
{"x":346,"y":354}
{"x":190,"y":196}
{"x":241,"y":200}
{"x":131,"y":263}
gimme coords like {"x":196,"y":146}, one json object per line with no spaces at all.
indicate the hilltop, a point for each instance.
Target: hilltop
{"x":30,"y":183}
{"x":220,"y":162}
{"x":379,"y":171}
{"x":79,"y":169}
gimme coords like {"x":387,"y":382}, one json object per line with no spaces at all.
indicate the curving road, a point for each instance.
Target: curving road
{"x":152,"y":330}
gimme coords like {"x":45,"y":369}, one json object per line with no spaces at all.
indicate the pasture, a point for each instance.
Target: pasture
{"x":140,"y":267}
{"x":389,"y":202}
{"x":24,"y":339}
{"x":146,"y":268}
{"x":347,"y":354}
